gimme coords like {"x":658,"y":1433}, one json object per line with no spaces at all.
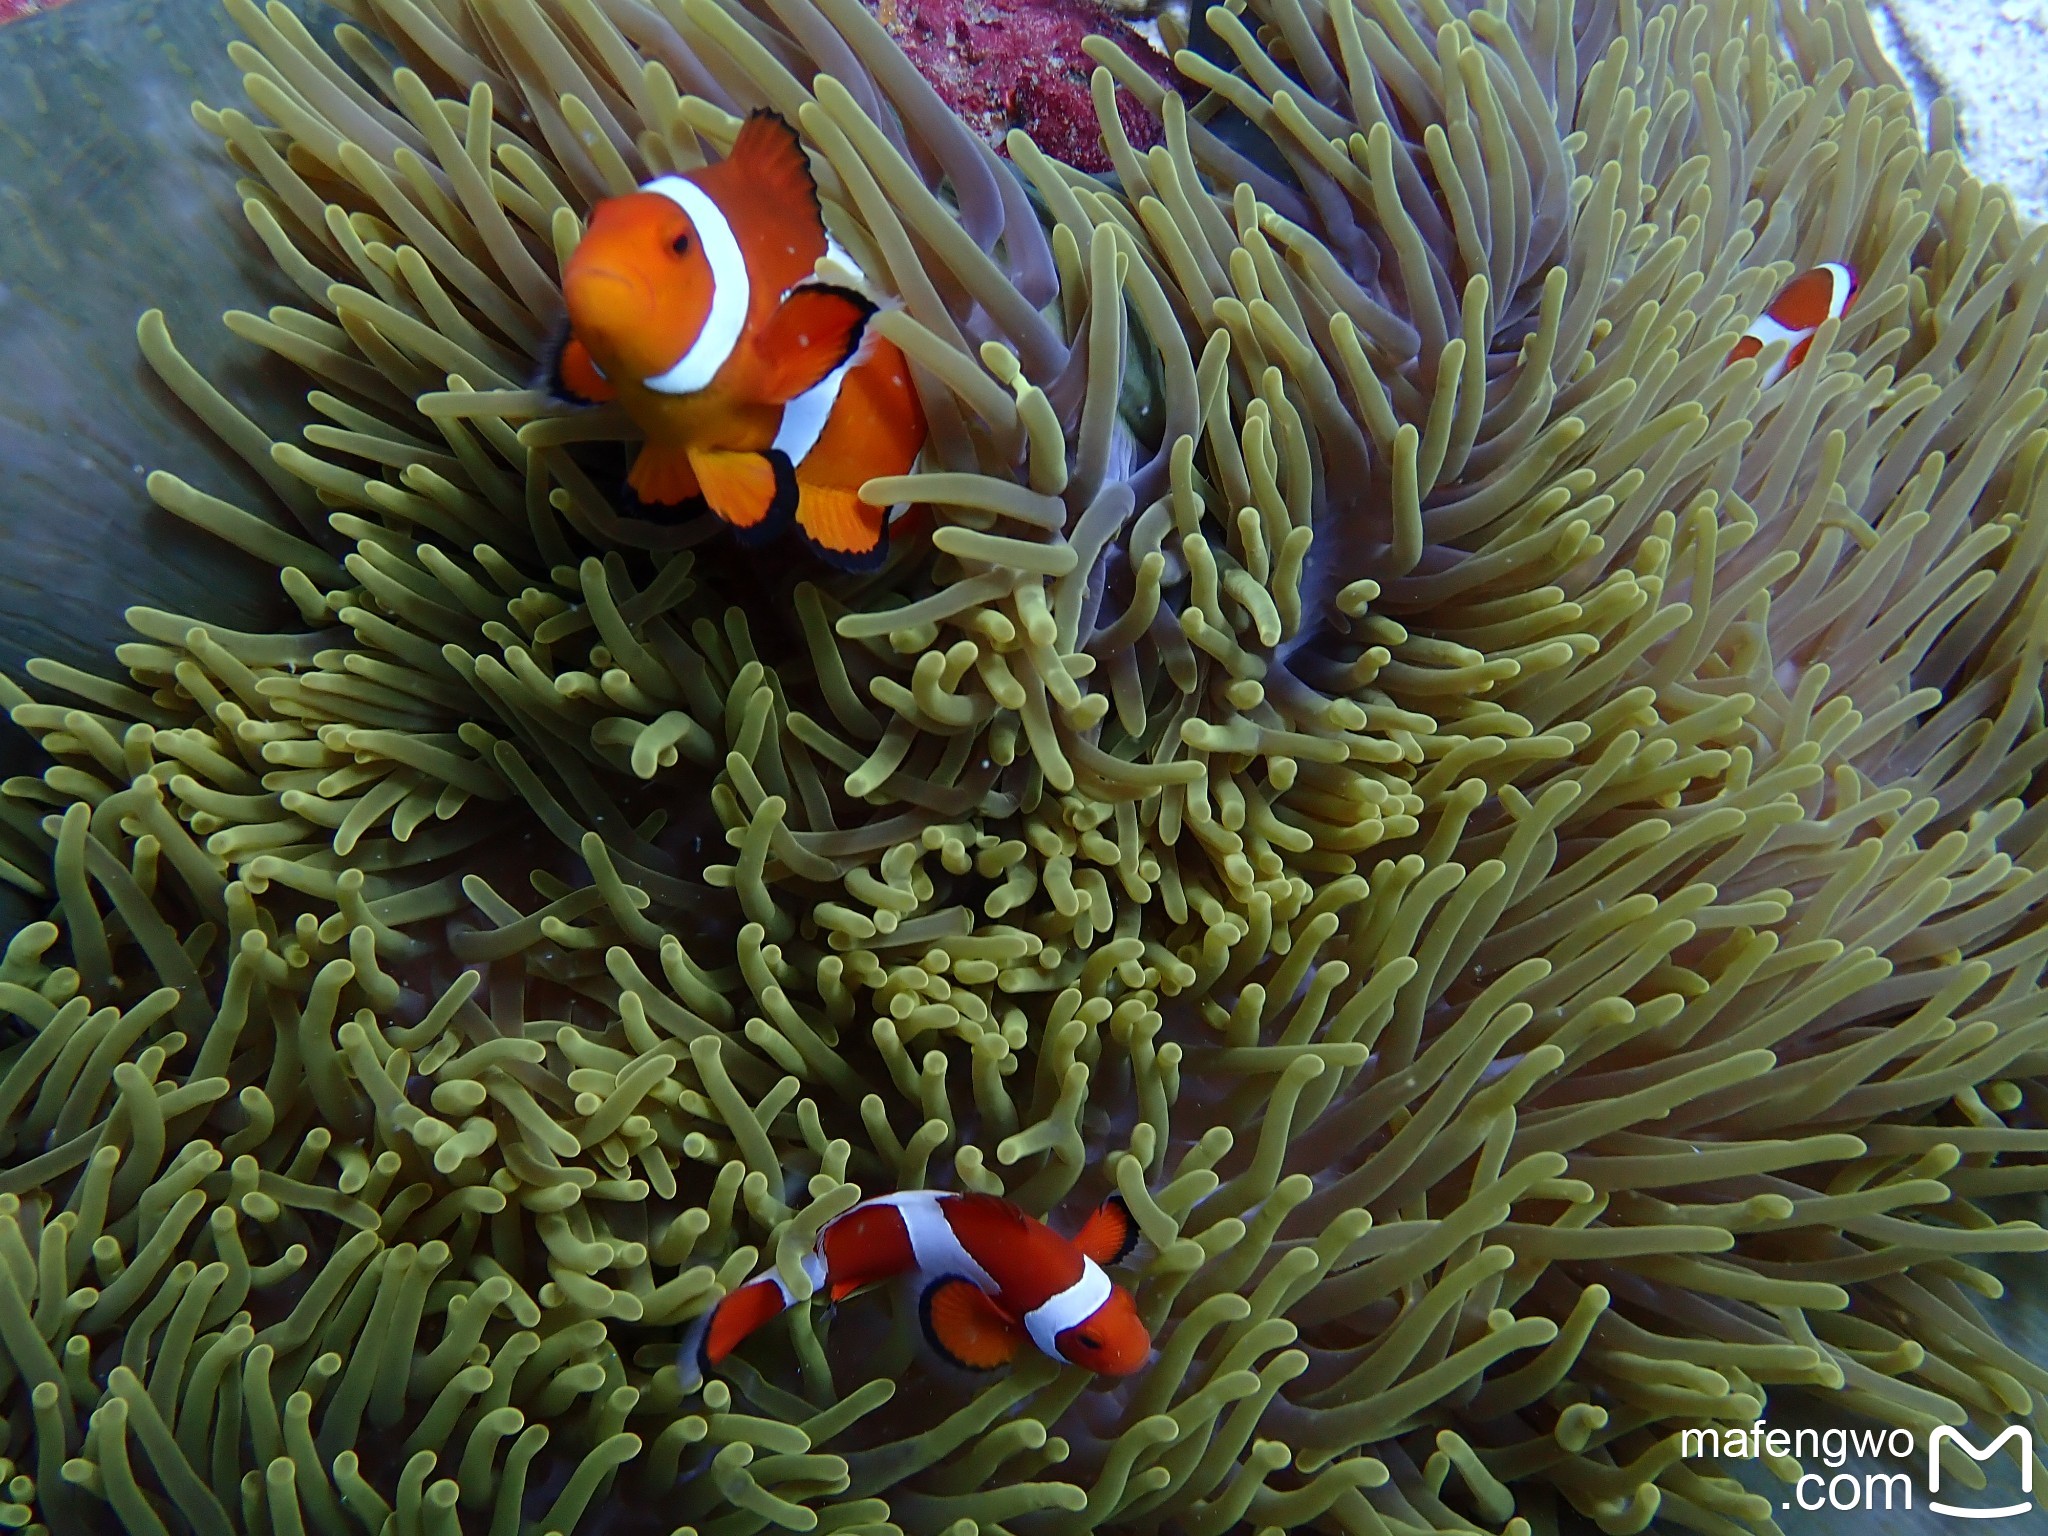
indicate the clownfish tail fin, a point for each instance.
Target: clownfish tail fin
{"x":693,"y":1366}
{"x":729,"y":1324}
{"x":1110,"y":1234}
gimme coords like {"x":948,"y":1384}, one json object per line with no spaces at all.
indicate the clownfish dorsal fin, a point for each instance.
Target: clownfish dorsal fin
{"x":966,"y":1326}
{"x":569,"y":373}
{"x":815,"y":329}
{"x":1109,"y":1235}
{"x":754,"y":492}
{"x":768,"y":159}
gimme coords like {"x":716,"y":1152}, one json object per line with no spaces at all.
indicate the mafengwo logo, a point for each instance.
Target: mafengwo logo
{"x":2017,"y":1432}
{"x":1853,"y":1484}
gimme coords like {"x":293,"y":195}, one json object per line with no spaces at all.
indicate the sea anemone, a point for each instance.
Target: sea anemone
{"x":1515,"y":848}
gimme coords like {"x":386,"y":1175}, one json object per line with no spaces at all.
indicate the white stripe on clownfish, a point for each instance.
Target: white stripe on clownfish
{"x":1070,"y":1308}
{"x":934,"y":1245}
{"x":732,"y":290}
{"x":813,"y":1264}
{"x":837,"y":269}
{"x":1766,"y":332}
{"x":804,"y":418}
{"x":838,"y":266}
{"x":1842,"y":290}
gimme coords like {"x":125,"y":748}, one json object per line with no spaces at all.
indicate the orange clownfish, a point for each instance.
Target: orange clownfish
{"x":693,"y":302}
{"x":991,"y":1279}
{"x":1824,"y":293}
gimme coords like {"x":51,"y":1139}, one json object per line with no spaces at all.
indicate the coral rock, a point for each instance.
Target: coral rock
{"x":1004,"y":64}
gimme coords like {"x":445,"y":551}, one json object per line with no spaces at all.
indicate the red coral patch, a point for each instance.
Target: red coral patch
{"x":1004,"y":64}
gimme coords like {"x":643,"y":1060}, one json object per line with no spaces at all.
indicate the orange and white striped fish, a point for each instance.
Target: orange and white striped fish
{"x":991,"y":1280}
{"x":694,"y":303}
{"x":1802,"y":305}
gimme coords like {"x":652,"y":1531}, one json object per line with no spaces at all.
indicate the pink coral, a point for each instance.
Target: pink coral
{"x":1004,"y":64}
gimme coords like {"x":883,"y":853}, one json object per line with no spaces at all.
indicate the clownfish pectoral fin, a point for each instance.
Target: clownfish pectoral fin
{"x":813,"y":330}
{"x":754,"y":492}
{"x":663,"y":476}
{"x":770,"y":157}
{"x":570,"y":374}
{"x":966,"y":1327}
{"x":1110,"y":1234}
{"x":844,"y":530}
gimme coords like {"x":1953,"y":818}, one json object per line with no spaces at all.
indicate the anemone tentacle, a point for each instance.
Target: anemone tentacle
{"x":1518,"y":851}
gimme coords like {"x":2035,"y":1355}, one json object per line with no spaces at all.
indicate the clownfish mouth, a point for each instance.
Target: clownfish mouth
{"x":606,"y":305}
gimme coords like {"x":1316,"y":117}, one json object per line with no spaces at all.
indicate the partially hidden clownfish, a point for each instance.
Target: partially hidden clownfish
{"x":694,"y":303}
{"x":991,"y":1280}
{"x":1802,"y":305}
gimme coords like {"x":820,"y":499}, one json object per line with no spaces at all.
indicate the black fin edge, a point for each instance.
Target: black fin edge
{"x":781,"y":511}
{"x":666,"y":514}
{"x":548,"y":376}
{"x":868,"y":310}
{"x":1132,"y":1235}
{"x":854,"y":562}
{"x":694,"y":1350}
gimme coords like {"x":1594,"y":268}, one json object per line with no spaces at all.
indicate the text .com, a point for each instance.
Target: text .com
{"x":1845,"y":1488}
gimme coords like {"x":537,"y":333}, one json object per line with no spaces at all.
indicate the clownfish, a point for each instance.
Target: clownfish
{"x":694,"y":303}
{"x":1821,"y":294}
{"x":990,"y":1280}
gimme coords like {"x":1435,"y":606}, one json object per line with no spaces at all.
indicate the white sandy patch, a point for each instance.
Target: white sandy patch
{"x":1991,"y":58}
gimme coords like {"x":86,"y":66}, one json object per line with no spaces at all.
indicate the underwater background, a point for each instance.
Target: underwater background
{"x":1517,"y":850}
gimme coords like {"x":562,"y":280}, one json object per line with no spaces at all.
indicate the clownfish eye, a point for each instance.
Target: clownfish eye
{"x":1089,"y":1341}
{"x":681,"y":244}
